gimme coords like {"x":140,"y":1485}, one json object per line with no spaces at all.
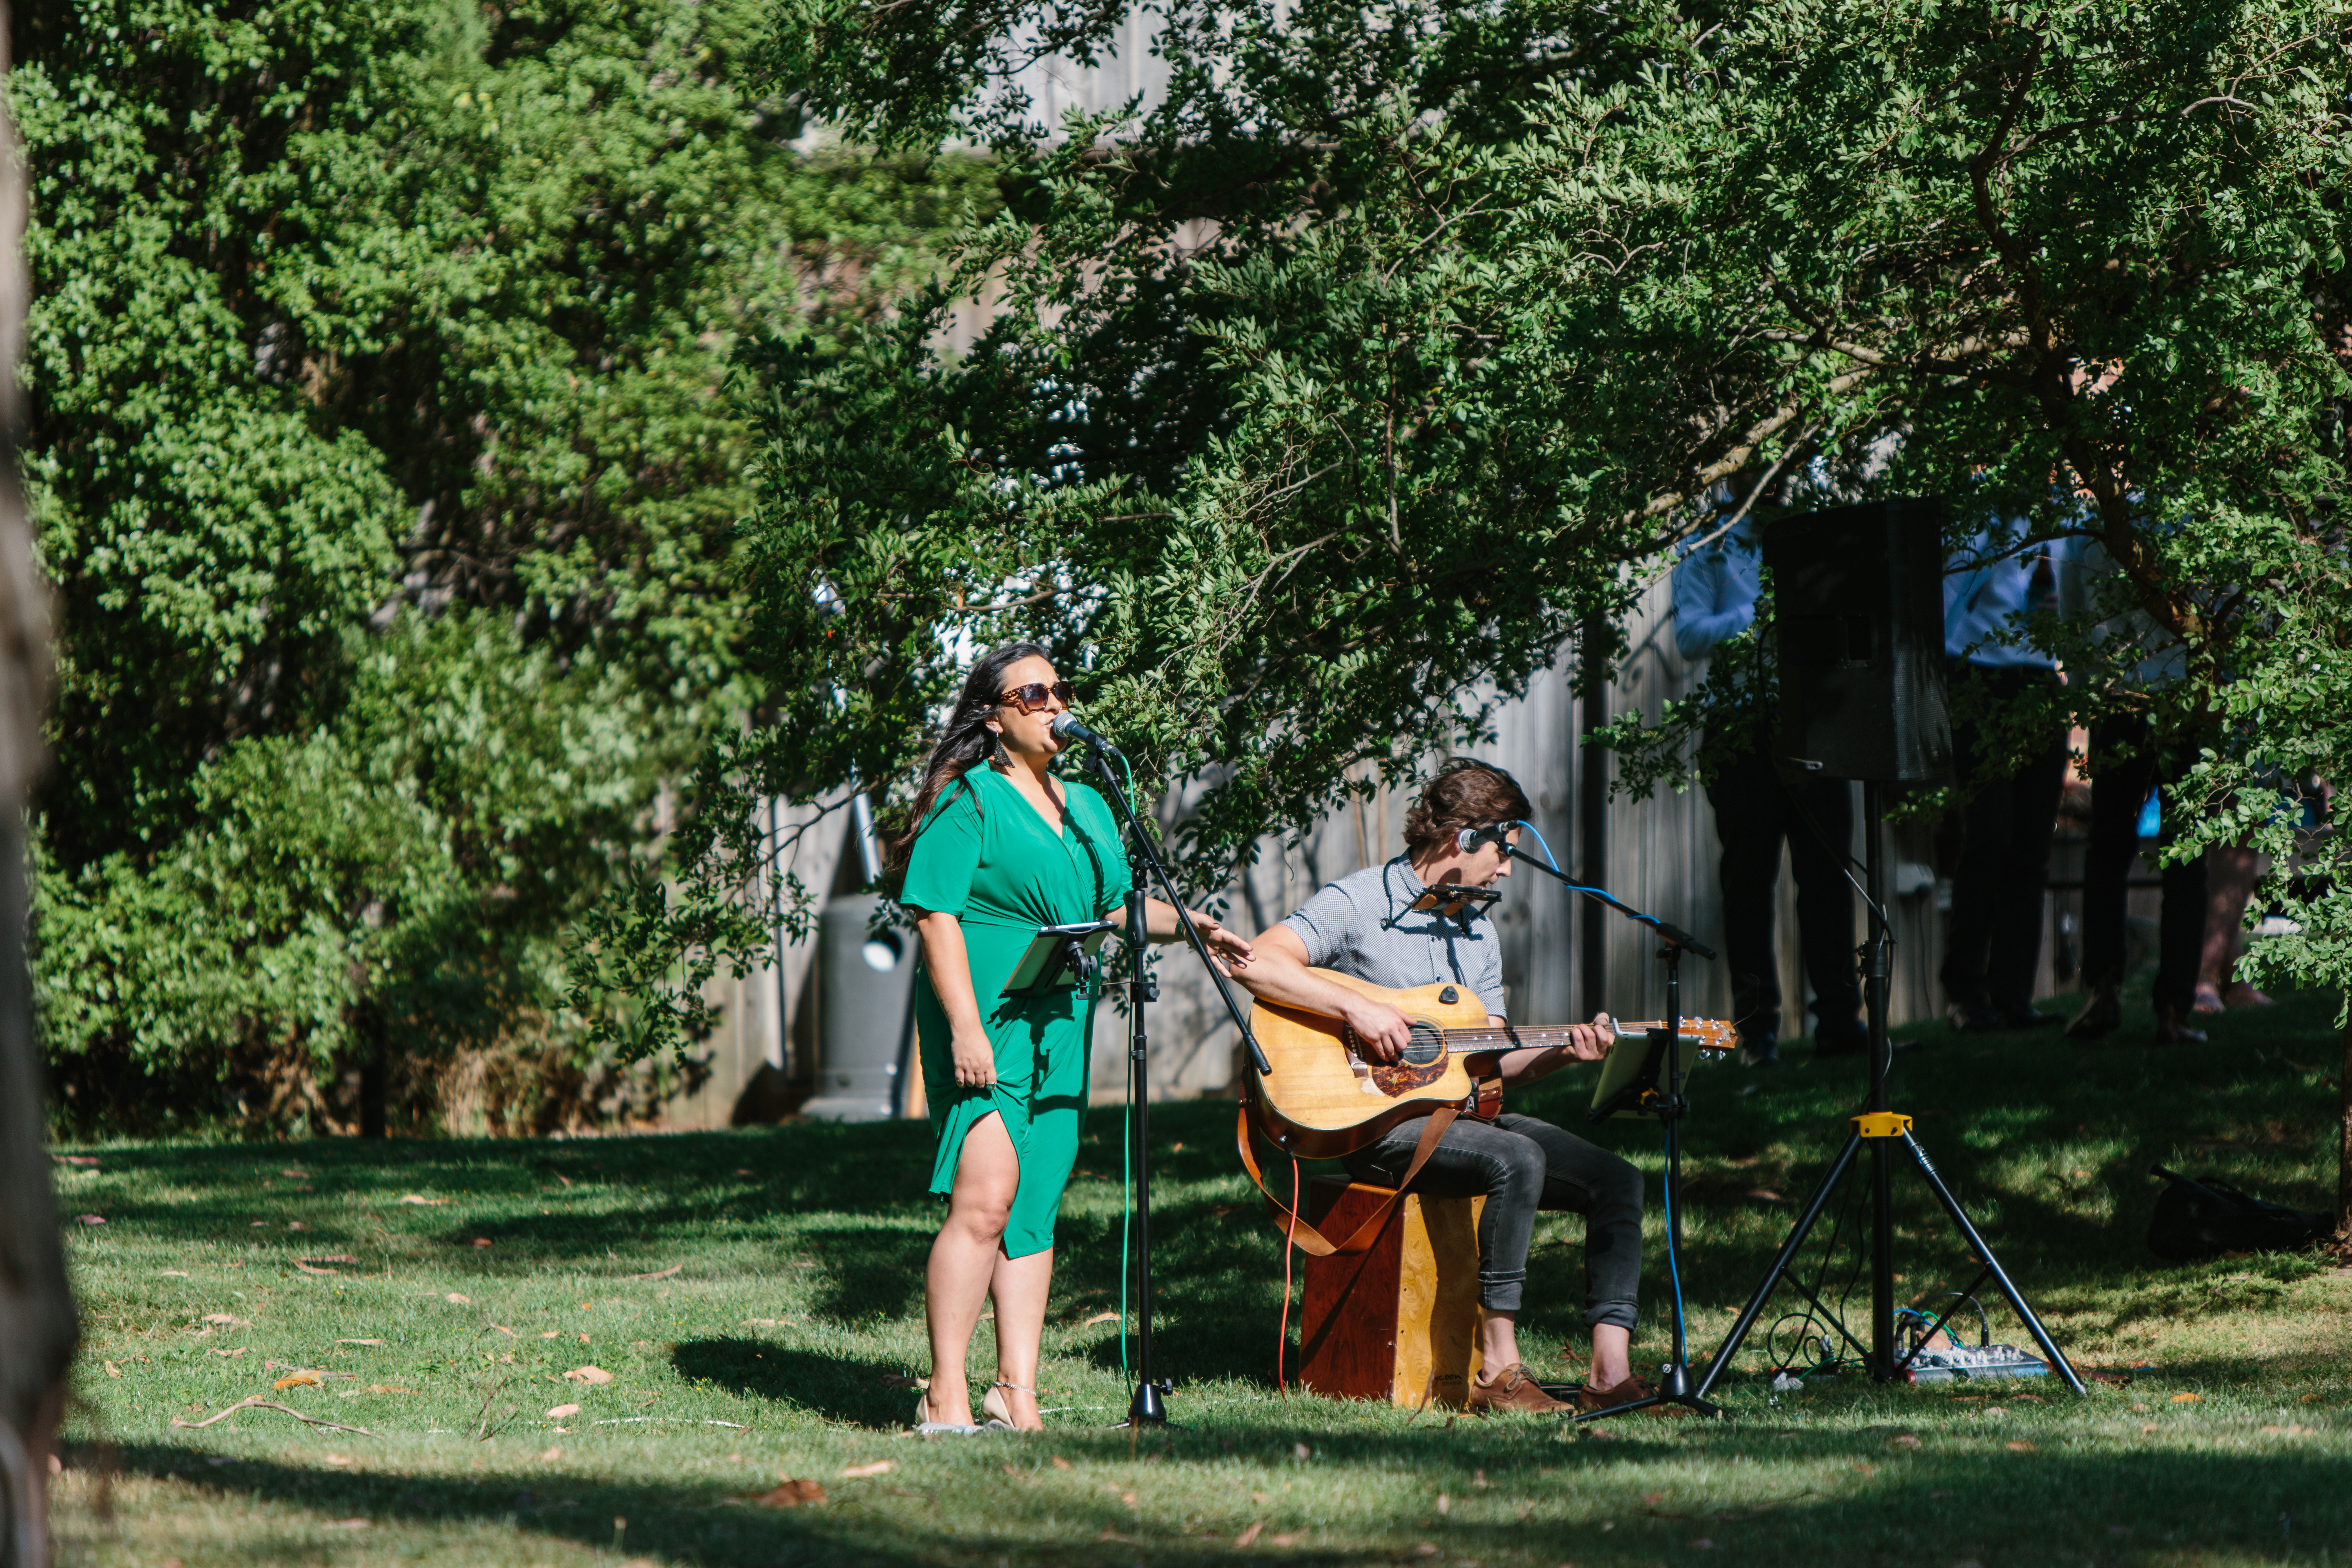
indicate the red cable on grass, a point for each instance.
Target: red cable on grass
{"x":1289,"y":1244}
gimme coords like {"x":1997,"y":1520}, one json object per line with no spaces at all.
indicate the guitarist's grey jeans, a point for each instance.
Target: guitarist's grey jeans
{"x":1521,"y":1166}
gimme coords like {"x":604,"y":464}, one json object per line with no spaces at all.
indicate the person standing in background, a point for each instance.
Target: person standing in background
{"x":2131,"y":755}
{"x":1993,"y":941}
{"x":2230,"y":872}
{"x":1715,"y":592}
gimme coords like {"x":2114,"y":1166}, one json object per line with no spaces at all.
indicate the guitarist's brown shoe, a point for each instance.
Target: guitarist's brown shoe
{"x":1625,"y":1392}
{"x":1513,"y":1390}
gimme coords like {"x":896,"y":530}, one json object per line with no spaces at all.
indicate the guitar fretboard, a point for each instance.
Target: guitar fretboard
{"x":1544,"y":1036}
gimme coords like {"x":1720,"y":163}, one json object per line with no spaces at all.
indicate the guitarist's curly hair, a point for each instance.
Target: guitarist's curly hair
{"x":1463,"y":793}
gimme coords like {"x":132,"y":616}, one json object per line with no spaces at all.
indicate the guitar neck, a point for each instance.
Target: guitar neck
{"x":1540,"y":1037}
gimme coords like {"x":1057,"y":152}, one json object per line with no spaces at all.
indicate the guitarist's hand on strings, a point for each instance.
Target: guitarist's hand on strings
{"x":1382,"y":1032}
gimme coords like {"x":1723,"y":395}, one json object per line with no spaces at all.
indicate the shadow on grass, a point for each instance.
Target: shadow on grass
{"x":834,"y":1386}
{"x":993,"y":1498}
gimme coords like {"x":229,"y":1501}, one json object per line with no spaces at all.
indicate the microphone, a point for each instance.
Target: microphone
{"x":1070,"y":727}
{"x":1469,"y":838}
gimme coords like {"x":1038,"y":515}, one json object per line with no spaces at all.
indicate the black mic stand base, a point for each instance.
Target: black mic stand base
{"x":1149,"y":1407}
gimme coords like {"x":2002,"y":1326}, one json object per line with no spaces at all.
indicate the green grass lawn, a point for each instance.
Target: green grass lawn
{"x":754,"y":1295}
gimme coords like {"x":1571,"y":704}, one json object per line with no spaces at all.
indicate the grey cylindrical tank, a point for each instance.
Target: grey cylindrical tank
{"x":865,"y":979}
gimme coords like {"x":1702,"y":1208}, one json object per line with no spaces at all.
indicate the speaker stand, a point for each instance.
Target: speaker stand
{"x":1881,"y":1127}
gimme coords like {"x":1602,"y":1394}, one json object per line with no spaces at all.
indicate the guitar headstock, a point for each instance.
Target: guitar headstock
{"x":1712,"y":1037}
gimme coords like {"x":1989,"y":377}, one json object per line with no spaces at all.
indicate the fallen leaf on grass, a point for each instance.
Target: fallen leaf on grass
{"x":2187,"y":1398}
{"x":89,"y":1219}
{"x":549,"y":1456}
{"x":1099,"y":1317}
{"x":789,"y":1494}
{"x":504,"y":1330}
{"x":173,"y":1274}
{"x":87,"y":1162}
{"x":878,"y":1467}
{"x":561,"y":1411}
{"x":1058,"y":1462}
{"x":296,"y":1225}
{"x":416,"y":1198}
{"x":456,"y":1300}
{"x":592,"y":1376}
{"x":1248,"y":1537}
{"x":307,"y":1269}
{"x":338,"y":1458}
{"x":346,"y":1524}
{"x":113,"y":1370}
{"x":770,"y":1323}
{"x":2019,"y":1447}
{"x":388,"y":1388}
{"x":1425,"y":1549}
{"x":240,"y":1351}
{"x":550,"y":1333}
{"x":1288,"y":1538}
{"x":481,"y":1241}
{"x":303,"y":1379}
{"x":1903,"y":1440}
{"x":659,"y":1273}
{"x":2150,"y":1427}
{"x":358,"y":1342}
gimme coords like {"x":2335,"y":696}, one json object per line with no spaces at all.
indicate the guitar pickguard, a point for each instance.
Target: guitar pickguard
{"x":1402,"y":1077}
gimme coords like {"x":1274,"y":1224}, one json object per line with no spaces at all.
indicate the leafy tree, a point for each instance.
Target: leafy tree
{"x":1387,"y":348}
{"x":382,"y":459}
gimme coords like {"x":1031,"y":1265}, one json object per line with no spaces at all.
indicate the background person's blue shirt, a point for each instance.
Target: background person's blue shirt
{"x":1715,"y":591}
{"x":1988,"y":592}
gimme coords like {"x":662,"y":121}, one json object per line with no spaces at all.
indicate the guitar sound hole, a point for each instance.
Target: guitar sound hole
{"x":1427,"y":1046}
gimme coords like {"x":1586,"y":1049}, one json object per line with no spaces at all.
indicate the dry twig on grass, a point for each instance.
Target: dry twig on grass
{"x":256,"y":1402}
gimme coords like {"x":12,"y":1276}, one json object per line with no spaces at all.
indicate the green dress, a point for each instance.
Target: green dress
{"x":987,"y":857}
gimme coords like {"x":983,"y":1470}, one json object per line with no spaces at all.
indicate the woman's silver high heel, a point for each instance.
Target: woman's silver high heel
{"x":927,"y":1427}
{"x":992,"y":1405}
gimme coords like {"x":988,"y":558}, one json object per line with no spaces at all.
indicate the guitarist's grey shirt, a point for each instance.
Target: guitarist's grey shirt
{"x":1364,"y":924}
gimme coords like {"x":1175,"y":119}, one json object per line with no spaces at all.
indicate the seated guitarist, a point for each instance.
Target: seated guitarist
{"x":1372,"y":925}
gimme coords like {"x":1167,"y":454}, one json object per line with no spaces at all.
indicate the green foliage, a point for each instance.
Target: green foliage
{"x":2084,"y":266}
{"x":1240,"y":439}
{"x":382,"y":461}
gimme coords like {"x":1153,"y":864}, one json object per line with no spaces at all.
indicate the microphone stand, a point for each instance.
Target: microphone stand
{"x":1675,"y":1385}
{"x":1149,"y":1407}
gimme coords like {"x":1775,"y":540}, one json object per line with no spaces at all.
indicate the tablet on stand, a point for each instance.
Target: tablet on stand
{"x":1059,"y":957}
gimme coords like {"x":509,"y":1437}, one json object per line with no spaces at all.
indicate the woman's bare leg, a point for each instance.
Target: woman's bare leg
{"x":964,"y":1259}
{"x":1020,"y":1288}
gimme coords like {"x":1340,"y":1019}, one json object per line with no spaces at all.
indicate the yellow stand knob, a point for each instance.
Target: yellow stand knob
{"x":1882,"y":1124}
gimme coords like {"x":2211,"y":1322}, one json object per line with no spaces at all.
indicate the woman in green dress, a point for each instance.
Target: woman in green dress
{"x":1001,"y":846}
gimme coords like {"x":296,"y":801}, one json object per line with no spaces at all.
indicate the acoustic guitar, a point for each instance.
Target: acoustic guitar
{"x":1323,"y":1098}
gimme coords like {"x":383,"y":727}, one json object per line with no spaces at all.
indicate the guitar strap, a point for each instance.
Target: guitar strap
{"x":1305,"y":1236}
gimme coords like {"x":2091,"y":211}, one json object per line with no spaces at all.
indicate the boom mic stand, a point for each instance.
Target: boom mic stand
{"x":1149,"y":1407}
{"x":1675,"y":1385}
{"x":1880,"y":1126}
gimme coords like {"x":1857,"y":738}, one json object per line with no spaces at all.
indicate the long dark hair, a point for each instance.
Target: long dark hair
{"x":965,"y":742}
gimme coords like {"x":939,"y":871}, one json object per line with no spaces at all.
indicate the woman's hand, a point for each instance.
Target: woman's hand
{"x":1229,"y":949}
{"x":975,"y":1057}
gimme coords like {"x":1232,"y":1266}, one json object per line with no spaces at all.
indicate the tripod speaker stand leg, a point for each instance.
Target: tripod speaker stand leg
{"x":1992,"y":1265}
{"x":1814,"y":1207}
{"x":1881,"y":1129}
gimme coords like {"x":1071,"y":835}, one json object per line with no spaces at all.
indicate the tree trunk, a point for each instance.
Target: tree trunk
{"x":38,"y":1326}
{"x":2344,"y":1140}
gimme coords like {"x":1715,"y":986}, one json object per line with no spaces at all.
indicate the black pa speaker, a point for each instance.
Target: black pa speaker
{"x":1858,"y":612}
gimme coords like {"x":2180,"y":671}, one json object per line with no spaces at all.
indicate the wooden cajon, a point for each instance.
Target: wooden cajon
{"x":1399,"y":1321}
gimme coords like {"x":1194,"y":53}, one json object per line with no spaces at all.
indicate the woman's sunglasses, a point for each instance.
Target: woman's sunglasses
{"x":1029,"y":699}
